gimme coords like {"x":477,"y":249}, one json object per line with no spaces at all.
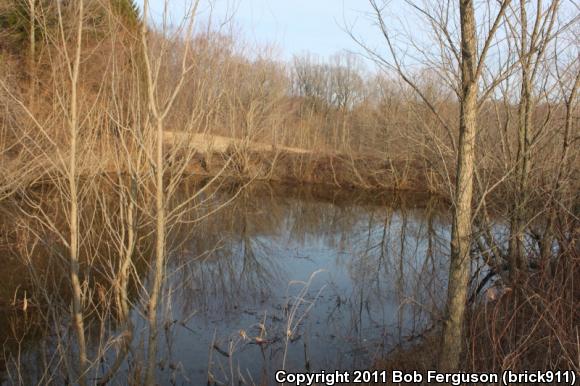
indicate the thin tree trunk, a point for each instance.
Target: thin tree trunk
{"x":159,"y":268}
{"x":516,"y":249}
{"x":563,"y":169}
{"x":32,"y":50}
{"x":158,"y":116}
{"x":129,"y":250}
{"x":452,"y":344}
{"x":74,"y":218}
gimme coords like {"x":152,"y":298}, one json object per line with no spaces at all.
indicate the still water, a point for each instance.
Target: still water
{"x":294,"y":278}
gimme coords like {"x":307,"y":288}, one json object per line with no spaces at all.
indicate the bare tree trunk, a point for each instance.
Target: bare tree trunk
{"x":32,"y":50}
{"x":532,"y":48}
{"x":32,"y":30}
{"x":461,"y":231}
{"x":522,"y":159}
{"x":130,"y":249}
{"x":74,"y":217}
{"x":563,"y":170}
{"x":159,"y":268}
{"x":158,"y":115}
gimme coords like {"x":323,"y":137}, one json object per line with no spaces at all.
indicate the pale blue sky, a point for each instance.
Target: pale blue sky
{"x":294,"y":26}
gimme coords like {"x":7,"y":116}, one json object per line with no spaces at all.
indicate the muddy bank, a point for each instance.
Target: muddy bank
{"x":245,"y":158}
{"x":340,"y":170}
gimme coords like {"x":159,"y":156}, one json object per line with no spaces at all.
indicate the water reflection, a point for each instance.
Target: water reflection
{"x":236,"y":280}
{"x":241,"y":299}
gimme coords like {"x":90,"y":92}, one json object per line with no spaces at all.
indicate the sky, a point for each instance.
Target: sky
{"x":293,"y":26}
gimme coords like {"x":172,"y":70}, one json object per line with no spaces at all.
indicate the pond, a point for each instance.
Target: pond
{"x":297,"y":278}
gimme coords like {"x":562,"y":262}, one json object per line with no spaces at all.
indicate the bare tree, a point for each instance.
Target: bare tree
{"x":532,"y":47}
{"x":460,"y":263}
{"x":73,"y":69}
{"x":470,"y":58}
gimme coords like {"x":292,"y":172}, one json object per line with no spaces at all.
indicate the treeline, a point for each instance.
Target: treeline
{"x":336,"y":107}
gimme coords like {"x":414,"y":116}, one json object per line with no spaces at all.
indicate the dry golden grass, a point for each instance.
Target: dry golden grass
{"x":210,"y":143}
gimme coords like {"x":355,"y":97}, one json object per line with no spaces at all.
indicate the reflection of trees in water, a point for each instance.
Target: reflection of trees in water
{"x":232,"y":258}
{"x":397,"y":264}
{"x":225,"y":260}
{"x":220,"y":265}
{"x":392,"y":253}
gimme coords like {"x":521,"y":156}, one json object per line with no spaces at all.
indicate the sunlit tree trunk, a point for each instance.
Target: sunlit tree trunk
{"x":77,"y":311}
{"x":32,"y":49}
{"x":461,"y":230}
{"x":159,"y":266}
